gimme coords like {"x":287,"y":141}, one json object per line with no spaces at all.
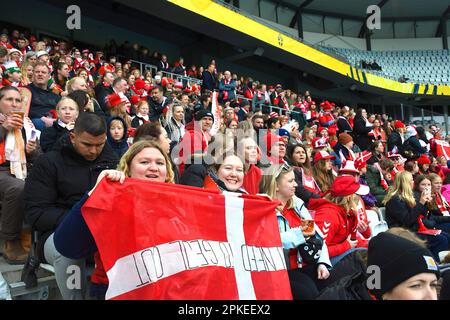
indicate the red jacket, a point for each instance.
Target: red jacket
{"x":193,"y":141}
{"x":335,"y":225}
{"x":252,"y":179}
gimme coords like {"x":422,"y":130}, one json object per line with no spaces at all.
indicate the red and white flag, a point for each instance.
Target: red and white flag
{"x":442,"y":149}
{"x":166,"y":241}
{"x":217,"y":113}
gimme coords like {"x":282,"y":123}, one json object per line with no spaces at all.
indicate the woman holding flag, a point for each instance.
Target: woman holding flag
{"x":144,"y":160}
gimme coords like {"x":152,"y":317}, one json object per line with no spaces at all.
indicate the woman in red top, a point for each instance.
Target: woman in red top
{"x":336,"y":216}
{"x":248,"y":150}
{"x":306,"y":252}
{"x":379,"y":133}
{"x":297,"y":157}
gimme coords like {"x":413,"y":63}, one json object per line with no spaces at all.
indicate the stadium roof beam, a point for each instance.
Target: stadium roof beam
{"x":441,"y":26}
{"x":298,"y":12}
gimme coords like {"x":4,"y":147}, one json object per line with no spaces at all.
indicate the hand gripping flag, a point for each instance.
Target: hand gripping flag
{"x":166,"y":241}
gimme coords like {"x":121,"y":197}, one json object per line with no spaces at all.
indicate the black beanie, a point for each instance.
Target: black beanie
{"x":199,"y":115}
{"x":398,"y":259}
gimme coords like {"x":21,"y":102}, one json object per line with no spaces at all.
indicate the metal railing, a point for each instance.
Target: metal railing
{"x":143,"y":67}
{"x":272,"y":108}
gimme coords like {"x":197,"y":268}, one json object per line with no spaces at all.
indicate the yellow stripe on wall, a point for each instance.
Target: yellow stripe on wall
{"x":236,"y":21}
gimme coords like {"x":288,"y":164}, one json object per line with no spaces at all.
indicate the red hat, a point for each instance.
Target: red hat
{"x":362,"y":158}
{"x":271,"y":87}
{"x":323,"y":155}
{"x":326,"y":105}
{"x":348,"y":167}
{"x":113,"y":100}
{"x":85,"y":51}
{"x":332,"y":131}
{"x":195,"y":87}
{"x":179,"y":85}
{"x":139,"y":84}
{"x":312,"y":102}
{"x":321,"y":129}
{"x":271,"y":139}
{"x":319,"y":142}
{"x":273,"y":115}
{"x":399,"y":124}
{"x":347,"y":185}
{"x":187,"y":90}
{"x":164,"y":81}
{"x":135,"y":99}
{"x":423,"y":159}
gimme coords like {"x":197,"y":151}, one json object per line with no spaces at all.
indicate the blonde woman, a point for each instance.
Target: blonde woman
{"x":144,"y":160}
{"x":336,"y":215}
{"x":117,"y":108}
{"x":27,"y":72}
{"x":402,"y":210}
{"x":307,"y":253}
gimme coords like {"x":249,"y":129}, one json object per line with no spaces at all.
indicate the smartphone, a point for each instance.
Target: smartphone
{"x":33,"y":135}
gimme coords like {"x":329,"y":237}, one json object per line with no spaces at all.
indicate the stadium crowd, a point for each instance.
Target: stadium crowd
{"x":376,"y":188}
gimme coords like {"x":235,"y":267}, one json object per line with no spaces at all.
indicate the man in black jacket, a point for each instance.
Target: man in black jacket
{"x":59,"y":179}
{"x":209,"y":81}
{"x":104,"y":89}
{"x":158,"y":103}
{"x":42,"y":100}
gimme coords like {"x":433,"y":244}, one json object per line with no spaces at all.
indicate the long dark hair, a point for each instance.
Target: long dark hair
{"x":289,"y":157}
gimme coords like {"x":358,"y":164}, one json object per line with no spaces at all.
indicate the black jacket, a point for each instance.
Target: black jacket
{"x":412,"y":148}
{"x":119,"y":147}
{"x":300,"y":190}
{"x":209,"y":82}
{"x":42,"y":101}
{"x":101,"y":92}
{"x":361,"y":134}
{"x":395,"y":140}
{"x":343,"y":125}
{"x":50,"y":135}
{"x":399,"y":214}
{"x":156,"y":108}
{"x":59,"y":179}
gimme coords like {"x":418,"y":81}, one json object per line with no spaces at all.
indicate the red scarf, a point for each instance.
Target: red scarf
{"x":424,"y":230}
{"x":442,"y":205}
{"x":2,"y":152}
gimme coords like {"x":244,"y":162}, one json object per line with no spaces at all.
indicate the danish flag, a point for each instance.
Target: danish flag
{"x":166,"y":241}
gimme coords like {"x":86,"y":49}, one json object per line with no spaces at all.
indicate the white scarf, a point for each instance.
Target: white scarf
{"x":15,"y":154}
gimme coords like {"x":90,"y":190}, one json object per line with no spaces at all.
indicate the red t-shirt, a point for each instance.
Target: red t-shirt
{"x":252,"y":179}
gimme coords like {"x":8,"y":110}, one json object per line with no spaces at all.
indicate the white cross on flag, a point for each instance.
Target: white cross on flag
{"x":166,"y":241}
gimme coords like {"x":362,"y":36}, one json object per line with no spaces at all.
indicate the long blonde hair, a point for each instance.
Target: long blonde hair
{"x":269,"y":181}
{"x":347,"y":202}
{"x":402,"y":188}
